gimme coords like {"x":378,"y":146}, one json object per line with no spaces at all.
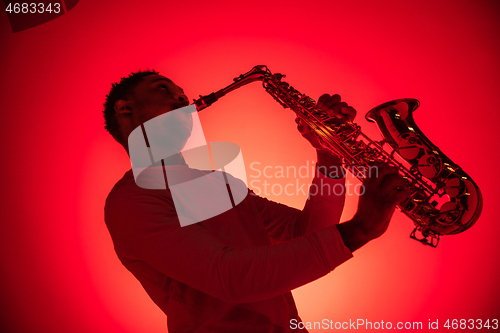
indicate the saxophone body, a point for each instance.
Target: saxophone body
{"x":444,"y":200}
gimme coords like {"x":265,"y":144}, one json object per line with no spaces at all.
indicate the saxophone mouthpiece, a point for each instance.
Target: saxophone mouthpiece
{"x":207,"y":100}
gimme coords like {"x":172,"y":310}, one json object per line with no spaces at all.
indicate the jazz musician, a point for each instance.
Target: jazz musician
{"x":233,"y":272}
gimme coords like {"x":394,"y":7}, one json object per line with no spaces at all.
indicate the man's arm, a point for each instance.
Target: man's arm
{"x":144,"y":227}
{"x":323,"y":208}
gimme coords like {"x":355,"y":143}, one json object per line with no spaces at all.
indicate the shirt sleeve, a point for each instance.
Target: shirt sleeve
{"x":144,"y":227}
{"x":322,"y":209}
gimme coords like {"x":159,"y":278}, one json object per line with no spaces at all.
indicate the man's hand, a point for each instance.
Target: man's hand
{"x":332,"y":106}
{"x":384,"y":189}
{"x":328,"y":163}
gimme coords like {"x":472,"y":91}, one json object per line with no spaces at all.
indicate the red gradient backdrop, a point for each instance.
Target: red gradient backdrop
{"x":59,"y":272}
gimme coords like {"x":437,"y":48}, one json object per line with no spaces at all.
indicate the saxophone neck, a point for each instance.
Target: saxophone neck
{"x":257,"y":73}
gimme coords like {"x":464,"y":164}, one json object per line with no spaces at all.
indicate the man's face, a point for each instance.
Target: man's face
{"x":154,"y":99}
{"x":155,"y":95}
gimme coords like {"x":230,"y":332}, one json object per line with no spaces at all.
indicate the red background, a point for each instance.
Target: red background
{"x":58,"y":268}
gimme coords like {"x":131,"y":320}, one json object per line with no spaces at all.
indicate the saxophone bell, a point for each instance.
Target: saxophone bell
{"x":446,"y":200}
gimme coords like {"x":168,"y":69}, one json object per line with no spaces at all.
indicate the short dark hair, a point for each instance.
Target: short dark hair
{"x":121,"y":90}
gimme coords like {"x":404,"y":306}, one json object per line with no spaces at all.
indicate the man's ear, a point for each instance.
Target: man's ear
{"x":122,"y":107}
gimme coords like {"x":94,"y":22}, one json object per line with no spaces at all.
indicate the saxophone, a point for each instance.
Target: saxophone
{"x":444,"y":200}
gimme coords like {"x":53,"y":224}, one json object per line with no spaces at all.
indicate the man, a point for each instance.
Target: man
{"x":233,"y":272}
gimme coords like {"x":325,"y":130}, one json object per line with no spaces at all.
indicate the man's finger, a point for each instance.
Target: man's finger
{"x":335,"y":103}
{"x":349,"y":111}
{"x":377,"y":172}
{"x":394,"y":183}
{"x":322,"y":99}
{"x":327,"y":101}
{"x":302,"y":126}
